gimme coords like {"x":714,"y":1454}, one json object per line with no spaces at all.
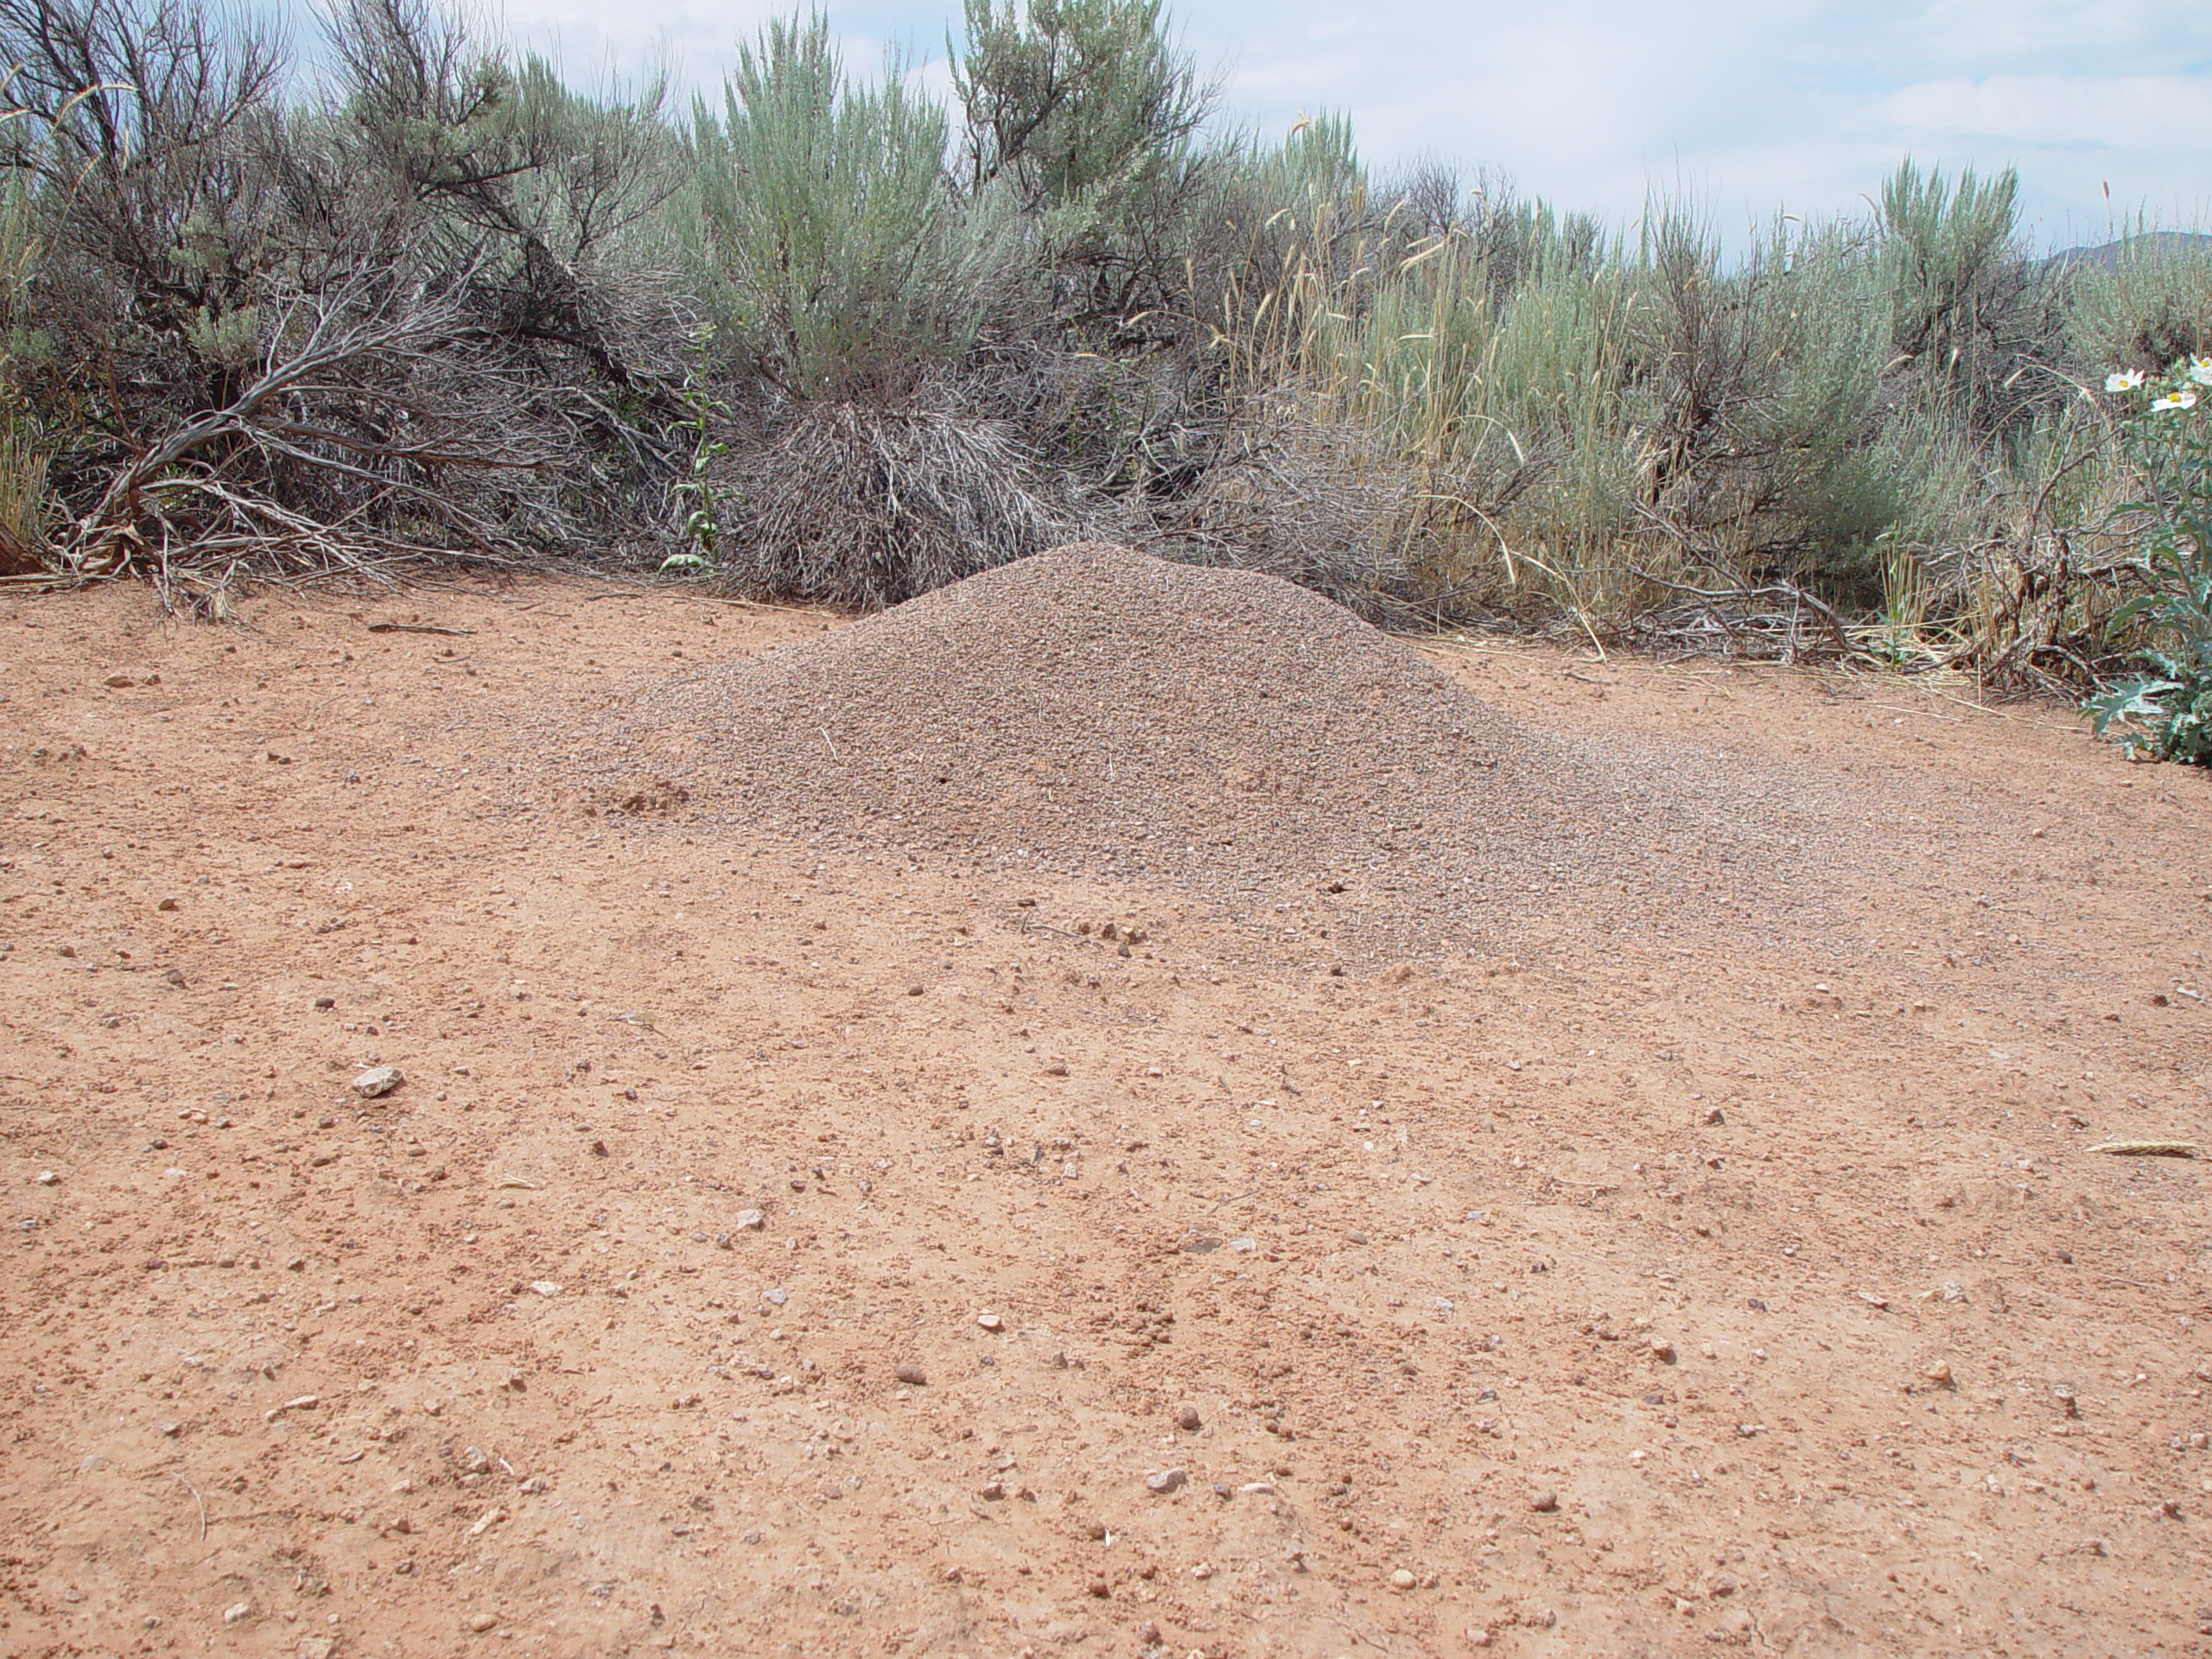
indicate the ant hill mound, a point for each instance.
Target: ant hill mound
{"x":1095,"y":711}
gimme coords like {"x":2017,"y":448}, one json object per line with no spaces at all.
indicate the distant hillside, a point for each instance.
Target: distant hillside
{"x":2150,"y":244}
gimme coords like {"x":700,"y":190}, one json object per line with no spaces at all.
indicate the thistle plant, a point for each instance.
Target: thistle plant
{"x":2165,"y":713}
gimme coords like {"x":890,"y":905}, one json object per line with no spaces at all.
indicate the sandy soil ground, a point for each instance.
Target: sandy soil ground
{"x":771,"y":1250}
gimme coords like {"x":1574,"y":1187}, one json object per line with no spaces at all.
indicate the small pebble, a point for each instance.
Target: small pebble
{"x":480,"y":1623}
{"x":778,"y":1296}
{"x":1662,"y":1351}
{"x":750,"y":1220}
{"x":1167,"y":1480}
{"x":46,"y":1177}
{"x":1939,"y":1374}
{"x":377,"y":1080}
{"x":1714,"y":1115}
{"x":912,"y":1374}
{"x":990,"y":1321}
{"x":545,"y":1287}
{"x":1544,"y":1503}
{"x":1403,"y":1579}
{"x":1188,"y":1419}
{"x":238,"y":1613}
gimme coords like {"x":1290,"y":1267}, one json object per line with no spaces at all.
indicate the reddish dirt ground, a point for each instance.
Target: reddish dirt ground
{"x":1582,"y":1298}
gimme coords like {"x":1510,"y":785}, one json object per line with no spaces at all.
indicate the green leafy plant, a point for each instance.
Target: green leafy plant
{"x":2166,"y":714}
{"x":702,"y":518}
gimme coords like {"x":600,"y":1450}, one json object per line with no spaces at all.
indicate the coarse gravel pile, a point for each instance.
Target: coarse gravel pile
{"x":1092,"y":710}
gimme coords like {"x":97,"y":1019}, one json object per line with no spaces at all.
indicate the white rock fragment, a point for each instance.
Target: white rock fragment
{"x":751,"y":1221}
{"x":545,"y":1287}
{"x":778,"y":1296}
{"x":46,"y":1177}
{"x":238,"y":1613}
{"x":377,"y":1080}
{"x":1165,"y":1481}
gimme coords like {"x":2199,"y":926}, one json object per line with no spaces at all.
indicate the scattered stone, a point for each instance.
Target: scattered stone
{"x":46,"y":1177}
{"x":751,"y":1221}
{"x":238,"y":1613}
{"x":170,"y":1427}
{"x":166,"y":903}
{"x":993,"y":1490}
{"x":298,"y":1402}
{"x":1403,"y":1579}
{"x":326,"y":1002}
{"x":116,"y":683}
{"x":480,"y":1623}
{"x":1662,"y":1351}
{"x":990,"y":1321}
{"x":1939,"y":1374}
{"x":1149,"y":1634}
{"x":545,"y":1287}
{"x":1545,"y":1501}
{"x":1166,"y":1481}
{"x":1242,"y":1246}
{"x":1715,"y":1117}
{"x":913,"y":990}
{"x":778,"y":1296}
{"x":318,"y":1647}
{"x":1188,"y":1419}
{"x":377,"y":1080}
{"x":1873,"y":1300}
{"x":1355,"y":1238}
{"x":1478,"y":1637}
{"x":912,"y":1375}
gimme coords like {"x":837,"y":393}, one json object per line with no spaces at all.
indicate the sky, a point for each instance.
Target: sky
{"x":1750,"y":107}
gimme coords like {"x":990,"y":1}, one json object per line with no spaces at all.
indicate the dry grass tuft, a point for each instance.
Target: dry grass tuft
{"x":848,"y":505}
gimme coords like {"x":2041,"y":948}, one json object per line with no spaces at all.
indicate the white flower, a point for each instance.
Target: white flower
{"x":2200,"y":369}
{"x":2185,"y":398}
{"x":2123,"y":379}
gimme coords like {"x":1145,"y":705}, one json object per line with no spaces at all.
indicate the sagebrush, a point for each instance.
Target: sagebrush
{"x":408,"y":296}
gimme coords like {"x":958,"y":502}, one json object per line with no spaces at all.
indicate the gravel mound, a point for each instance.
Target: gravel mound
{"x":1092,"y":710}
